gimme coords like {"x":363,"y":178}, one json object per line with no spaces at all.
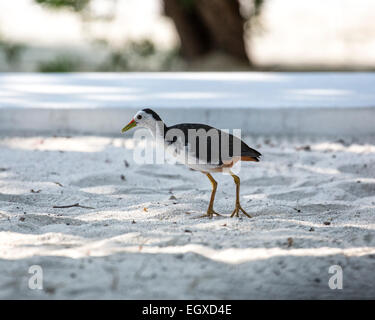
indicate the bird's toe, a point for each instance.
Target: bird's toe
{"x":237,"y":210}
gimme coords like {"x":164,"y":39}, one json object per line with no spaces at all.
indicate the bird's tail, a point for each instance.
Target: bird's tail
{"x":248,"y":158}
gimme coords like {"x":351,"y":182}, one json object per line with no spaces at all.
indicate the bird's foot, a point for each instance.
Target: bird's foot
{"x":237,"y":210}
{"x":210,"y":213}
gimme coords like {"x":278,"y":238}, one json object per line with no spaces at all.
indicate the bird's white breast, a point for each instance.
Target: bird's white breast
{"x":186,"y":155}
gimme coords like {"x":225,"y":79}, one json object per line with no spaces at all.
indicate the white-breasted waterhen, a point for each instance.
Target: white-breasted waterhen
{"x":200,"y":147}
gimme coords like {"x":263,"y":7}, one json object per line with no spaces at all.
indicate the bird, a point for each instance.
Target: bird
{"x":200,"y":147}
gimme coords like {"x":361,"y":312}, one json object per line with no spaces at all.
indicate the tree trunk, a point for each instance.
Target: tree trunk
{"x":204,"y":25}
{"x":225,"y":25}
{"x":195,"y":41}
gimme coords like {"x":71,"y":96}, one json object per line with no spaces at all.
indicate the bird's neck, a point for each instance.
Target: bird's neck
{"x":158,"y":130}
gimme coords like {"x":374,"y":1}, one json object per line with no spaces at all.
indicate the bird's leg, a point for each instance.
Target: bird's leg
{"x":210,"y":210}
{"x":238,"y":206}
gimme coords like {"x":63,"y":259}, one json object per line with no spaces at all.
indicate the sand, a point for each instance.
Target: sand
{"x":313,"y":202}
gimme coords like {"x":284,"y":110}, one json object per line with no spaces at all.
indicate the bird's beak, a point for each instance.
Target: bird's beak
{"x":130,"y":125}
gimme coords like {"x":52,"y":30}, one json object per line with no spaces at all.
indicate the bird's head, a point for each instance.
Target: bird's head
{"x":146,"y":118}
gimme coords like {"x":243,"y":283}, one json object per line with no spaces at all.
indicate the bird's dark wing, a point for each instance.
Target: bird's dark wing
{"x":224,"y":145}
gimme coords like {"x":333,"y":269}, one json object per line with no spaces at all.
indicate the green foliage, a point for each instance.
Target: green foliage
{"x":12,"y":51}
{"x":144,"y":48}
{"x":171,"y":60}
{"x":117,"y":61}
{"x":258,"y":4}
{"x":140,"y":56}
{"x":76,"y":5}
{"x":63,"y":63}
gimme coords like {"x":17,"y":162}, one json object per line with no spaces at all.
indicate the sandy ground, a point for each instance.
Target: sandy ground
{"x":313,"y":204}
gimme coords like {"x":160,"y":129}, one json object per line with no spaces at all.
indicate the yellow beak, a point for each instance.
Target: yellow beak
{"x":130,"y":125}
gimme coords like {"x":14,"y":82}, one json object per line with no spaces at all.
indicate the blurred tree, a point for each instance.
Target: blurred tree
{"x":61,"y":63}
{"x":203,"y":25}
{"x":207,"y":25}
{"x":12,"y":52}
{"x":76,"y":5}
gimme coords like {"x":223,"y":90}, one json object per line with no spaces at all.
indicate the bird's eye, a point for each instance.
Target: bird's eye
{"x":139,"y":117}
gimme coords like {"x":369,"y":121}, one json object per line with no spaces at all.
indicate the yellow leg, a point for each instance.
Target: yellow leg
{"x":238,"y":207}
{"x":210,"y":210}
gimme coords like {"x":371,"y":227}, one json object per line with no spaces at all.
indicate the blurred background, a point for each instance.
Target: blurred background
{"x":186,"y":35}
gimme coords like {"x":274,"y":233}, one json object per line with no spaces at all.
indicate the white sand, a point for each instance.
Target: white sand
{"x":323,"y":199}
